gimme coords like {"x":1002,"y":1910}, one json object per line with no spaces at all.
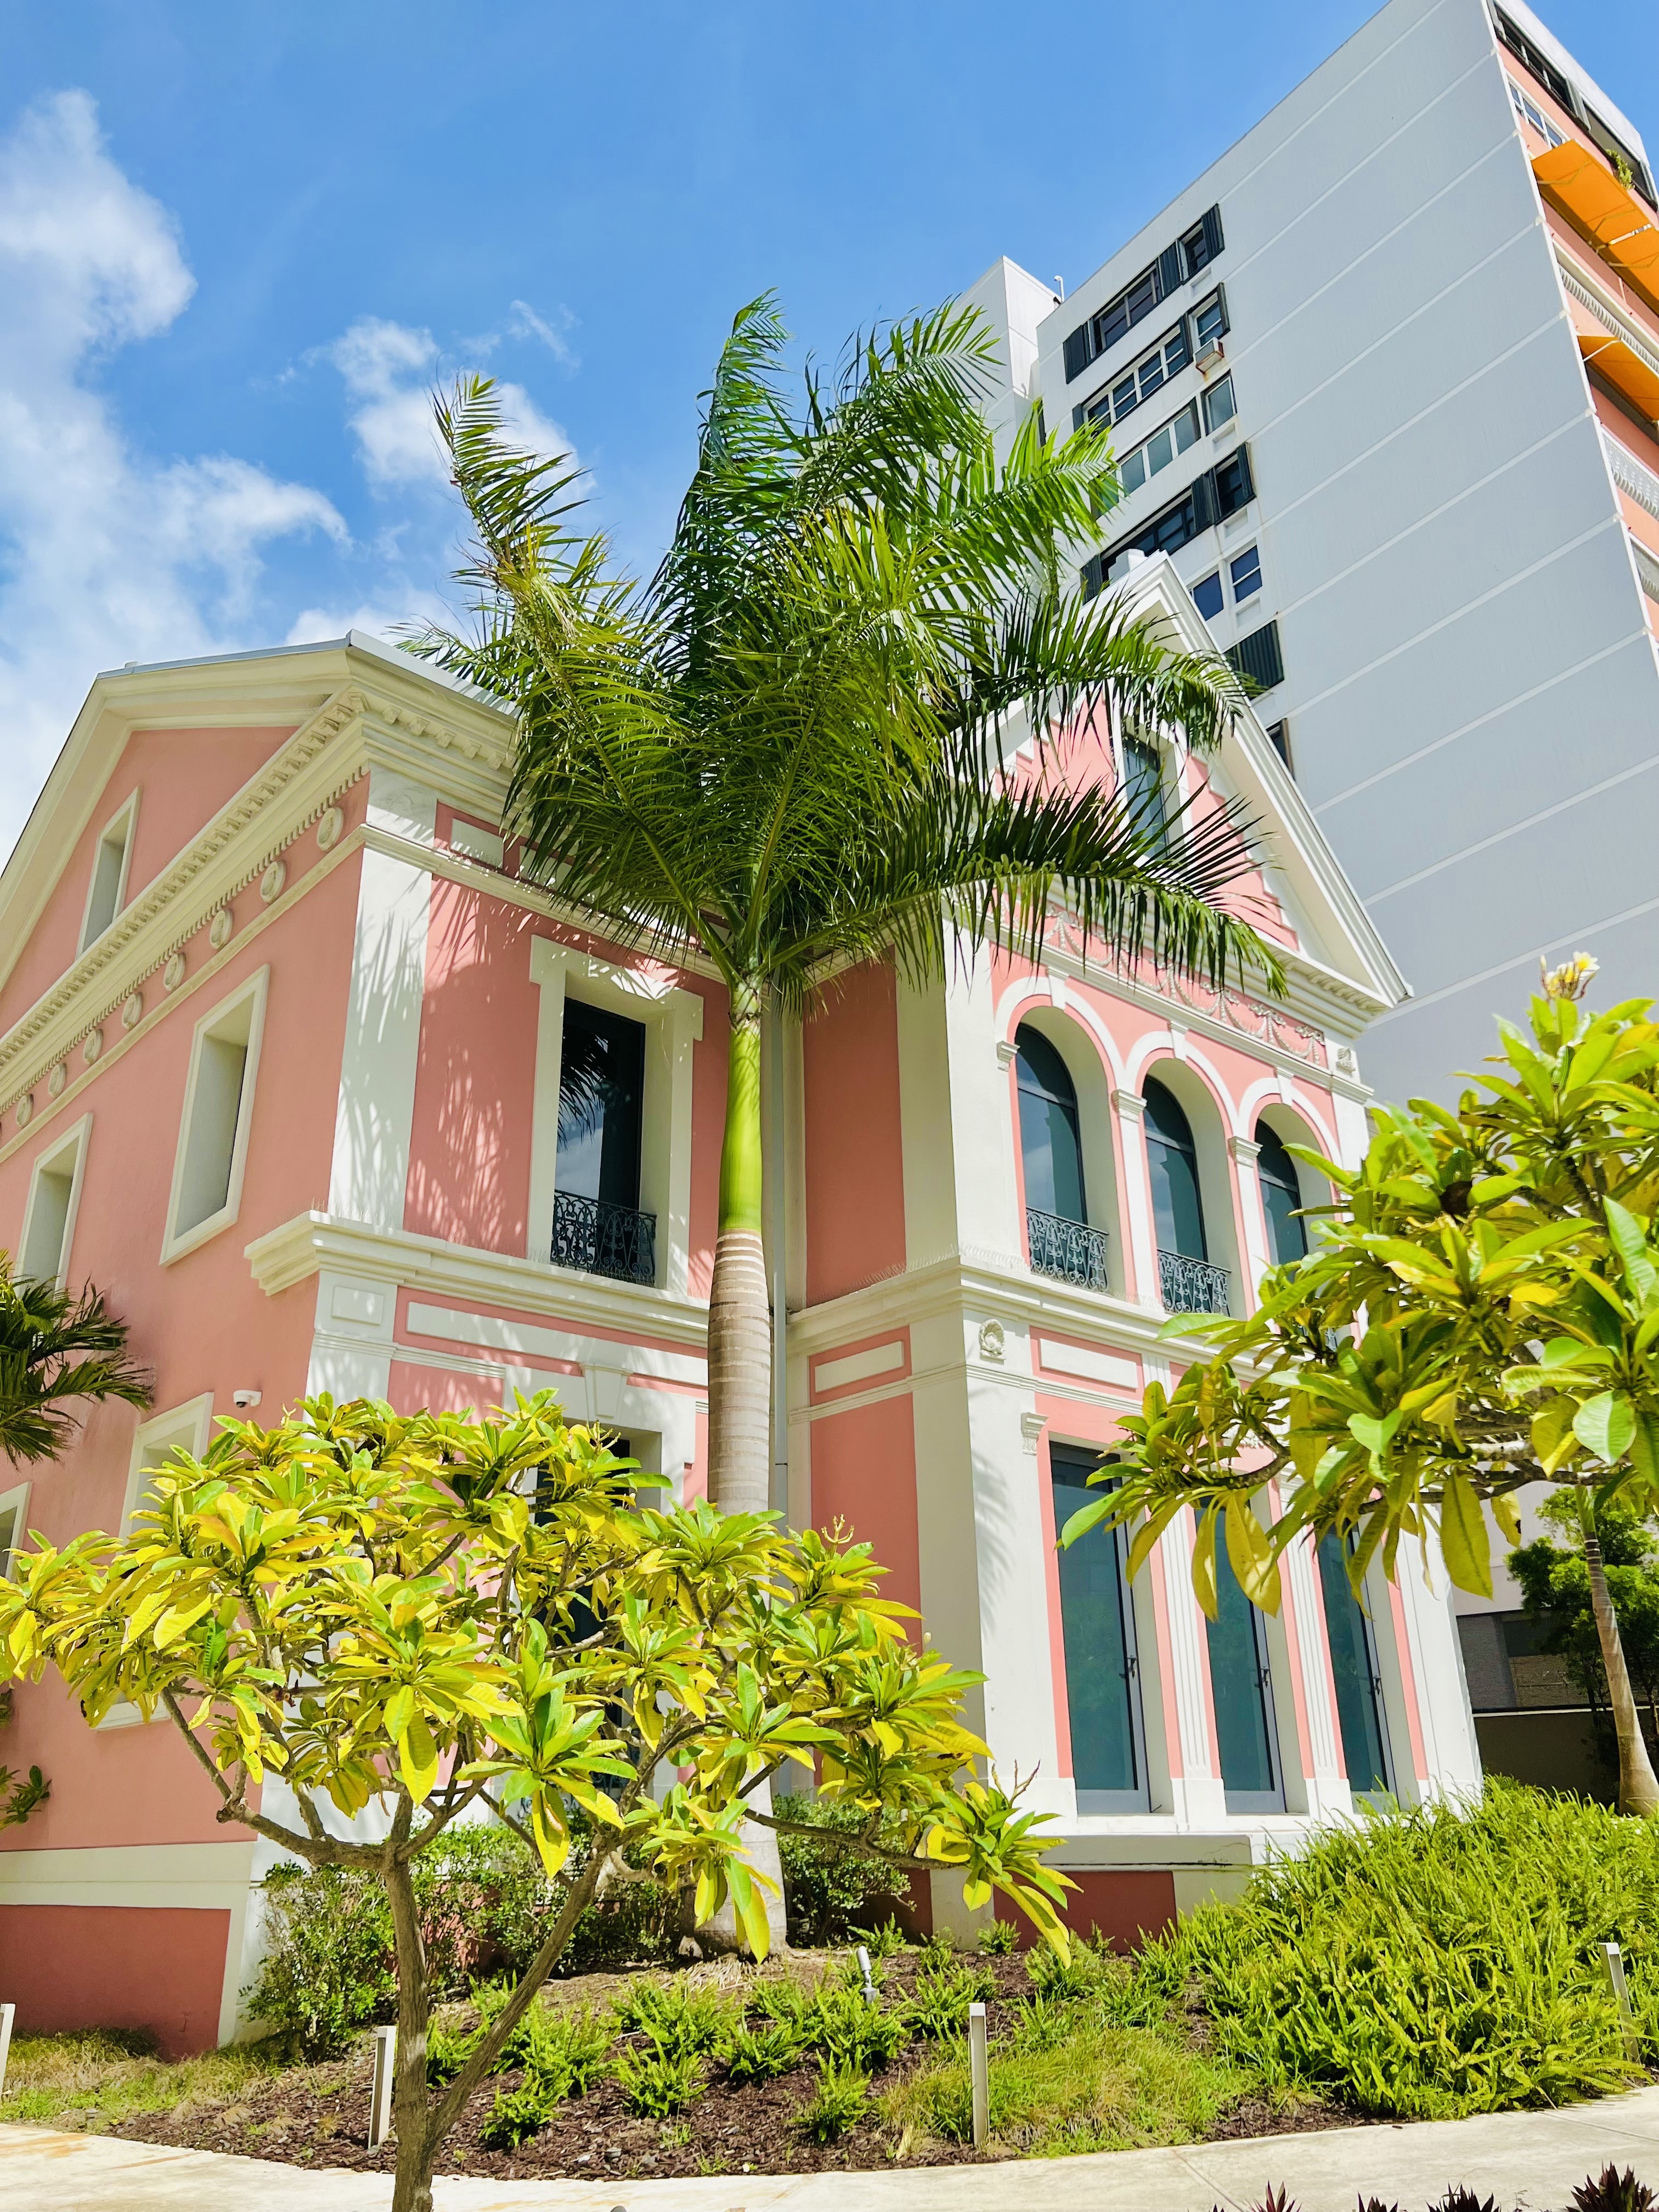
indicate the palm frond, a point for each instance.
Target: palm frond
{"x":58,"y":1347}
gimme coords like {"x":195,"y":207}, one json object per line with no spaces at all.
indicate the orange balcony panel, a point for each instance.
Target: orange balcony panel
{"x":1625,"y":370}
{"x":1614,"y":220}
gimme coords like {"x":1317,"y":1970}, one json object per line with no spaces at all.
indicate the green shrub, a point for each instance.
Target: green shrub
{"x":830,"y":1894}
{"x":327,"y":1968}
{"x":999,"y":1939}
{"x":485,"y":1903}
{"x":678,"y":2020}
{"x":850,"y":2031}
{"x":517,"y":2114}
{"x":761,"y":2054}
{"x":1427,"y":1964}
{"x":838,"y":2103}
{"x":657,"y":2083}
{"x":937,"y":2006}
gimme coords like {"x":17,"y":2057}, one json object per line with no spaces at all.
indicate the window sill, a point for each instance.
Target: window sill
{"x":179,"y":1248}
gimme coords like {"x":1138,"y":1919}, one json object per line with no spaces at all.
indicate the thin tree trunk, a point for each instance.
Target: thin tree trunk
{"x":411,"y":2192}
{"x":740,"y":1316}
{"x":1639,"y":1786}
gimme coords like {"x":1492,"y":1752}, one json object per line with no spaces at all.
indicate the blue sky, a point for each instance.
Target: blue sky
{"x":238,"y":244}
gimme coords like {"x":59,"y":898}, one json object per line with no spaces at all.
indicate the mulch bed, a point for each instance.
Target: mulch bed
{"x":318,"y":2115}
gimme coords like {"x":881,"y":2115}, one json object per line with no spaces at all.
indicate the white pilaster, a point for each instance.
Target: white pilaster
{"x":1130,"y":1109}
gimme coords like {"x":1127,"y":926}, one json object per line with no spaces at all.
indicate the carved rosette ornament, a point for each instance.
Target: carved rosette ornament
{"x":56,"y":1081}
{"x":219,"y":929}
{"x":93,"y":1046}
{"x":173,"y":973}
{"x":329,"y":827}
{"x":133,"y":1012}
{"x":25,"y":1110}
{"x":270,"y":884}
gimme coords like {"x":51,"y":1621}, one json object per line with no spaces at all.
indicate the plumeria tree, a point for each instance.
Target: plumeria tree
{"x":1479,"y":1310}
{"x":407,"y":1622}
{"x":784,"y":752}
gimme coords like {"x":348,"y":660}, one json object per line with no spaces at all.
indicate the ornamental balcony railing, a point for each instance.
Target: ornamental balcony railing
{"x":602,"y":1239}
{"x":1634,"y":478}
{"x":1191,"y":1285}
{"x":1069,"y":1249}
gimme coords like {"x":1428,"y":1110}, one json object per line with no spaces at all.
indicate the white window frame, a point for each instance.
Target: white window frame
{"x":47,"y":1161}
{"x":673,"y":1024}
{"x":175,"y":1246}
{"x":17,"y":1497}
{"x":122,"y":824}
{"x":190,"y":1425}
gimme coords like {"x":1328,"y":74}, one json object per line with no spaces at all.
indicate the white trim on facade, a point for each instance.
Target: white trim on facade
{"x":195,"y":1134}
{"x":112,"y":864}
{"x":54,"y":1202}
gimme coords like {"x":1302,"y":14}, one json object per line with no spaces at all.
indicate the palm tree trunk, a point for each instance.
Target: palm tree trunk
{"x":411,"y":2190}
{"x":739,"y":1317}
{"x":1639,"y":1786}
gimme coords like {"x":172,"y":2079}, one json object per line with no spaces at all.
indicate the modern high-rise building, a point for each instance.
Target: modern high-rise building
{"x":1383,"y":382}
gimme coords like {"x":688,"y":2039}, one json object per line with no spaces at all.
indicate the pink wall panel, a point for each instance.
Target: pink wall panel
{"x":183,"y":778}
{"x":1125,"y":1908}
{"x":158,"y":1968}
{"x":853,"y":1147}
{"x":863,"y":1474}
{"x":469,"y":1161}
{"x":202,"y":1324}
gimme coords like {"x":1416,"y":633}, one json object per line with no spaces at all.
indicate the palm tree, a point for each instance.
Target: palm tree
{"x":56,"y":1346}
{"x":788,"y":752}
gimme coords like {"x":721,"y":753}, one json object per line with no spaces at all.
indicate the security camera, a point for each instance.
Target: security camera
{"x":244,"y":1400}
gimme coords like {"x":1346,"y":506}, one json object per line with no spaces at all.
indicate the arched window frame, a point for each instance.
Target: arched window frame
{"x":1207,"y":1120}
{"x":1091,"y":1080}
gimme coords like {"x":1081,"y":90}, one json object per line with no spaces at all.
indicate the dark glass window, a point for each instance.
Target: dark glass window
{"x":1206,"y":595}
{"x":1050,"y":1140}
{"x":1354,"y":1665}
{"x":601,"y":1098}
{"x":1233,"y":487}
{"x":1143,"y":778}
{"x":1243,"y":1689}
{"x":1178,"y":1209}
{"x":1246,"y":572}
{"x":1281,"y":1194}
{"x":1102,"y":1692}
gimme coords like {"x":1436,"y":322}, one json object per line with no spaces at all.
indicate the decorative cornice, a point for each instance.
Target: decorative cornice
{"x":168,"y":912}
{"x":311,"y":1242}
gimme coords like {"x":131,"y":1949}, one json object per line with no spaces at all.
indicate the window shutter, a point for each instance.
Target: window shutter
{"x":1077,"y":352}
{"x":1092,"y":575}
{"x":1214,"y":240}
{"x":1168,"y":271}
{"x":1077,"y":415}
{"x":1246,"y":480}
{"x":1258,"y":659}
{"x":1203,"y":502}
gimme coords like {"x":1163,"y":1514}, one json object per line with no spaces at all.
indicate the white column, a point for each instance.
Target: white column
{"x":682,"y":1028}
{"x":547,"y":966}
{"x":376,"y":1109}
{"x":1130,"y":1109}
{"x":1200,"y":1797}
{"x":1258,"y":1258}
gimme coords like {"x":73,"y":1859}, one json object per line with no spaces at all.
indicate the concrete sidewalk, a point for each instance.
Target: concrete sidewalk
{"x":1534,"y":2159}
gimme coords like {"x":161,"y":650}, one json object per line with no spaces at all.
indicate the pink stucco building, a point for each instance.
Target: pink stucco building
{"x":281,"y":1036}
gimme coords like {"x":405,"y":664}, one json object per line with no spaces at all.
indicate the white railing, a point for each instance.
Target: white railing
{"x":1634,"y":478}
{"x":1619,"y":324}
{"x":1647,"y":569}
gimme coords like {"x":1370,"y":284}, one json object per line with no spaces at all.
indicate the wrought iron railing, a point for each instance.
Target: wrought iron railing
{"x":1191,"y":1285}
{"x":603,"y":1239}
{"x":1070,"y":1250}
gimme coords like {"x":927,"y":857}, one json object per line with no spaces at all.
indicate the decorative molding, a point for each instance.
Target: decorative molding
{"x":1245,"y":1151}
{"x":310,"y":1243}
{"x":330,"y":824}
{"x":1129,"y":1104}
{"x":1007,"y":1051}
{"x":93,"y":1046}
{"x":56,"y":1081}
{"x":173,"y":973}
{"x":133,"y":1011}
{"x":25,"y":1113}
{"x":271,"y":883}
{"x":1031,"y":1426}
{"x":221,"y":929}
{"x":993,"y":1342}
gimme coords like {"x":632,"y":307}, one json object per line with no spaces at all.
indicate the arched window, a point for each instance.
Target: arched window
{"x":1281,"y":1196}
{"x":1050,"y":1142}
{"x":1058,"y":1236}
{"x":1188,"y":1282}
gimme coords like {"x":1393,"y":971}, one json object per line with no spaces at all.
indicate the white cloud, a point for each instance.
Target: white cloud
{"x":105,"y":554}
{"x":389,"y":371}
{"x":524,"y":322}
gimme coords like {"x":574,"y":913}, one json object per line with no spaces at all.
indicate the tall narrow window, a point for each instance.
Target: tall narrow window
{"x":106,"y":893}
{"x":1189,"y":1283}
{"x":1242,"y":1685}
{"x":596,"y":1223}
{"x":53,"y":1201}
{"x":1358,"y":1681}
{"x":1057,"y":1233}
{"x":1281,"y":1196}
{"x":1102,"y":1689}
{"x":1142,"y":783}
{"x":14,"y":1525}
{"x":213,"y":1134}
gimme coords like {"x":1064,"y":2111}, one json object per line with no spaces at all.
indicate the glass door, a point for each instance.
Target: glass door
{"x":1102,"y":1674}
{"x":1241,"y":1683}
{"x":1358,"y":1680}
